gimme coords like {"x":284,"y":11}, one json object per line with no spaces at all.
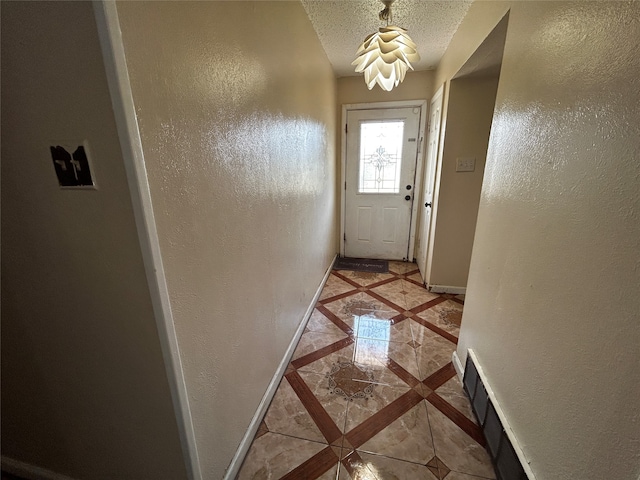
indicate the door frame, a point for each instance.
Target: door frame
{"x":417,"y":184}
{"x":429,"y":230}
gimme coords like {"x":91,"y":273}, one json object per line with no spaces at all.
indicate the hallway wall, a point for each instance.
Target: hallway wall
{"x":466,"y":125}
{"x":84,"y":389}
{"x":416,"y":86}
{"x":552,"y":305}
{"x":238,"y":128}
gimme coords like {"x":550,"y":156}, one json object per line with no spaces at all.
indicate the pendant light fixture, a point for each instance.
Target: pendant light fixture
{"x":386,"y":55}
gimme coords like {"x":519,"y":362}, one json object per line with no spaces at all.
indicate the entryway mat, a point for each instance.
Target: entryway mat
{"x":362,"y":265}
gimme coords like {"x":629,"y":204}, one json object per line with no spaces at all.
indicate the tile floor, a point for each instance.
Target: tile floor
{"x":371,"y":393}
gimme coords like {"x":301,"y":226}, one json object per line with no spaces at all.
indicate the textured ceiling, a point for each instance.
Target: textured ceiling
{"x":342,"y":25}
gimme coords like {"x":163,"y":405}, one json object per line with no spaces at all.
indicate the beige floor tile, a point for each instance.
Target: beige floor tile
{"x":319,"y":323}
{"x":332,"y":474}
{"x":375,"y":354}
{"x":391,"y":358}
{"x":334,"y":405}
{"x":323,"y":365}
{"x":415,"y":295}
{"x":376,"y":467}
{"x":453,"y":393}
{"x":273,"y":455}
{"x":401,"y":267}
{"x":375,"y":328}
{"x":434,"y":351}
{"x":446,"y":315}
{"x":457,"y":449}
{"x":360,"y":409}
{"x":359,"y":304}
{"x":406,"y":356}
{"x":288,"y":416}
{"x":312,"y":341}
{"x":394,"y":292}
{"x":416,"y":277}
{"x":335,"y":286}
{"x":383,"y":376}
{"x":378,"y":367}
{"x":408,"y":438}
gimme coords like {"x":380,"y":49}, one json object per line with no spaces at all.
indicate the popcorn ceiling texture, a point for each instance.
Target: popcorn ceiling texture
{"x":343,"y":25}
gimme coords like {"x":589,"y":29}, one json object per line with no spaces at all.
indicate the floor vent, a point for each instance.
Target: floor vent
{"x":504,"y":457}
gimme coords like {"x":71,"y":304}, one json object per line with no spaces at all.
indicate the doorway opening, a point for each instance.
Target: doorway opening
{"x":460,"y":150}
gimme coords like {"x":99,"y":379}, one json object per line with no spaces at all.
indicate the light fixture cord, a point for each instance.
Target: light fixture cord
{"x":385,"y":13}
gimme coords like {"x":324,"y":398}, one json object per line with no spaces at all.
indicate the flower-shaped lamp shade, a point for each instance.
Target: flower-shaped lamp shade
{"x":385,"y":57}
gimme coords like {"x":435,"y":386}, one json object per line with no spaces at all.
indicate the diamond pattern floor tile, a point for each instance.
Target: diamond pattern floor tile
{"x":457,"y":449}
{"x":274,"y":455}
{"x":370,"y":391}
{"x":287,"y":415}
{"x":318,"y":322}
{"x":335,"y":286}
{"x":446,"y":315}
{"x":361,"y":465}
{"x":453,"y":393}
{"x":407,"y":438}
{"x":360,"y":303}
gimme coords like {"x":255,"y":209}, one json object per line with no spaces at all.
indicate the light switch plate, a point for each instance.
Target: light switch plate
{"x":71,"y":162}
{"x":465,"y":164}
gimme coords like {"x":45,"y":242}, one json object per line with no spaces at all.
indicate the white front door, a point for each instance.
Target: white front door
{"x":382,"y":148}
{"x":435,"y":118}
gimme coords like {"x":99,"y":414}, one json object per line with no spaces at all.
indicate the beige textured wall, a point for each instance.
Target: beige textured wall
{"x":552,"y":305}
{"x":457,"y":194}
{"x":84,"y":391}
{"x":416,"y":86}
{"x":237,"y":124}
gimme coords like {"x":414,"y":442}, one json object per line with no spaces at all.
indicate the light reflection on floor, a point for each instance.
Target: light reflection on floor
{"x":370,"y":392}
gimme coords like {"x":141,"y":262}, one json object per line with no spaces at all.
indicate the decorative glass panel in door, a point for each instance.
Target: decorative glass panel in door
{"x":380,"y":156}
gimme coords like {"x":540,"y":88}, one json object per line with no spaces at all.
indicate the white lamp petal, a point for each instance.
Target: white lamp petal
{"x":385,"y":57}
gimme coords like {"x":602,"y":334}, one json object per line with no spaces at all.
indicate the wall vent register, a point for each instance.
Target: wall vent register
{"x":499,"y":446}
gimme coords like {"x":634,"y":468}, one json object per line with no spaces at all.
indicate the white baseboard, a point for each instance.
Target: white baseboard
{"x":457,"y":364}
{"x":448,"y":289}
{"x":503,"y":418}
{"x":245,"y":444}
{"x":26,"y":470}
{"x":124,"y":109}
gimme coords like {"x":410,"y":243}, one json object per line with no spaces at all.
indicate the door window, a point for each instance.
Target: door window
{"x":380,"y":156}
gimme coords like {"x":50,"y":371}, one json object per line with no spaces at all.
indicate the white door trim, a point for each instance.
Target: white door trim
{"x":417,"y":186}
{"x":426,"y":268}
{"x":115,"y":63}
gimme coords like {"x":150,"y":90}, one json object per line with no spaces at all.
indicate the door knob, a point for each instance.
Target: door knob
{"x":408,"y":197}
{"x":427,"y":204}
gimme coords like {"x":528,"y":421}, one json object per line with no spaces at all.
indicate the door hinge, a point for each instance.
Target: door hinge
{"x":346,"y":128}
{"x":345,"y":237}
{"x":345,"y":185}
